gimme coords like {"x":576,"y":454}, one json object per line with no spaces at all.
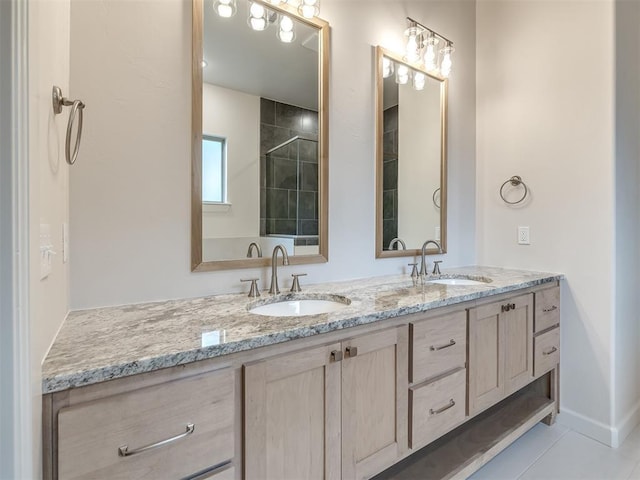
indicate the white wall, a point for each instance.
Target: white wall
{"x":627,"y":198}
{"x":236,"y":117}
{"x":419,"y":159}
{"x":130,"y":192}
{"x":545,"y":111}
{"x":49,"y":30}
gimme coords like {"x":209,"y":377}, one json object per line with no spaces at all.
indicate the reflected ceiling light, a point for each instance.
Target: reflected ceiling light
{"x":421,"y":48}
{"x":204,"y":63}
{"x":387,"y":67}
{"x":257,"y":16}
{"x":309,"y":8}
{"x":286,"y":33}
{"x":225,"y":8}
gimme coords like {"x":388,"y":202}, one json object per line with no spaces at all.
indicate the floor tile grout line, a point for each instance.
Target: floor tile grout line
{"x":544,"y":452}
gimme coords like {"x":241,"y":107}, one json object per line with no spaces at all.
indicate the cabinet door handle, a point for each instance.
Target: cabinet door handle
{"x":506,"y":308}
{"x":336,"y":355}
{"x":451,"y":343}
{"x":451,"y":404}
{"x":124,"y":451}
{"x":351,"y":351}
{"x":549,"y":352}
{"x":550,"y":309}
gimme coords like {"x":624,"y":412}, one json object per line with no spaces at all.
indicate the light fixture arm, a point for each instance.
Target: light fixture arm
{"x":414,"y":23}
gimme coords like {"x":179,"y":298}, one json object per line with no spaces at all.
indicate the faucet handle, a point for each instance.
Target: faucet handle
{"x":436,"y":267}
{"x":414,"y":270}
{"x":254,"y":291}
{"x":295,"y":287}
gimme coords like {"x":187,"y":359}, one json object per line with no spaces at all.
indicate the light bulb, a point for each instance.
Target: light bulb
{"x":419,"y":80}
{"x":286,"y":24}
{"x":204,"y":63}
{"x":402,"y":74}
{"x":309,"y":8}
{"x":256,"y":10}
{"x":445,"y":66}
{"x":413,"y":48}
{"x":257,"y":17}
{"x":387,"y":67}
{"x":258,"y":24}
{"x":286,"y":37}
{"x":225,"y":8}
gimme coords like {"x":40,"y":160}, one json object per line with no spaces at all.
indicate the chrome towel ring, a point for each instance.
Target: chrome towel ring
{"x":514,"y":181}
{"x":77,"y":108}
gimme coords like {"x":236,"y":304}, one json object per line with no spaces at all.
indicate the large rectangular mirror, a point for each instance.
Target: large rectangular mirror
{"x":411,"y":157}
{"x":260,"y":134}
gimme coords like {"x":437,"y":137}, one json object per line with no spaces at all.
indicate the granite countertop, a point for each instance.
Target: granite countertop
{"x":107,"y":343}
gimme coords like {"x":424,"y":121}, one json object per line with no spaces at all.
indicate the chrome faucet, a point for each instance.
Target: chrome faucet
{"x":423,"y":264}
{"x":274,"y":267}
{"x":258,"y":250}
{"x":396,"y":241}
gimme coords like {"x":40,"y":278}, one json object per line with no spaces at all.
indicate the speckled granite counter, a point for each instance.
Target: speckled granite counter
{"x":107,"y":343}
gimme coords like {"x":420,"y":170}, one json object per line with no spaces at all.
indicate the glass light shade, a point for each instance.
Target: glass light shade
{"x":402,"y":75}
{"x":258,"y":24}
{"x":387,"y":67}
{"x":256,"y":10}
{"x":257,"y":17}
{"x":413,"y":47}
{"x":225,"y":8}
{"x":309,"y":8}
{"x":446,"y":64}
{"x":430,"y":56}
{"x":419,"y":80}
{"x":286,"y":24}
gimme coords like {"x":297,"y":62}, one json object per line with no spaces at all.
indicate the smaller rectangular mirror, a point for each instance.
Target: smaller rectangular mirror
{"x":411,"y":157}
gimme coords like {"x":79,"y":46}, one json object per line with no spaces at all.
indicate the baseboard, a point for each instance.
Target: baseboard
{"x":626,"y":426}
{"x":586,"y":426}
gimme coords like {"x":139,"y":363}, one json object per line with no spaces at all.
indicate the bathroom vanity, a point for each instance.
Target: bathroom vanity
{"x":409,"y":380}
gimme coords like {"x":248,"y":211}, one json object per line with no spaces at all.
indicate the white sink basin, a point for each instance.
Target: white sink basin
{"x":297,"y":307}
{"x":461,"y":280}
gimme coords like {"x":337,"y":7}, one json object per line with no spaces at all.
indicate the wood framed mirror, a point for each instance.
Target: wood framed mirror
{"x":260,"y":135}
{"x":411,"y":157}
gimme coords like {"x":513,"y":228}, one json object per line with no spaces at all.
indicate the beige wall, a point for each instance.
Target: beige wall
{"x":545,"y":111}
{"x":48,"y":183}
{"x":130,"y":193}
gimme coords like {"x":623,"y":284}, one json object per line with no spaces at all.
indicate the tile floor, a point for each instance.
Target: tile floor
{"x":557,"y":453}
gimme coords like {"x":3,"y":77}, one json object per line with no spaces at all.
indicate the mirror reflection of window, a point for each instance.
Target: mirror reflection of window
{"x":213,"y":170}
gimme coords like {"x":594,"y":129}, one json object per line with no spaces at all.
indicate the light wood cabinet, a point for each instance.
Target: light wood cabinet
{"x":336,"y":411}
{"x":500,"y":350}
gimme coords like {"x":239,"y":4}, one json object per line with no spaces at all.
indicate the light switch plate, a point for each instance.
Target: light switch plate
{"x":65,"y":242}
{"x":46,"y":250}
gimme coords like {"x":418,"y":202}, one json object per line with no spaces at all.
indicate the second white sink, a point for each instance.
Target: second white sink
{"x":297,"y":307}
{"x":460,"y":280}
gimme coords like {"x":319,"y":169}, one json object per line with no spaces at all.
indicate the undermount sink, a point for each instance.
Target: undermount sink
{"x":460,"y":280}
{"x":295,"y":306}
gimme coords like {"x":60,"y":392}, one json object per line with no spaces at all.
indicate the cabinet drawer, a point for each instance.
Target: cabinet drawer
{"x":438,"y":345}
{"x":106,"y":438}
{"x":436,"y":408}
{"x":546,"y":351}
{"x":547,"y":310}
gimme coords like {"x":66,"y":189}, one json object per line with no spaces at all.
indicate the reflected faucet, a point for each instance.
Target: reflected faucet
{"x":396,"y":241}
{"x":274,"y":267}
{"x":258,"y":250}
{"x":423,"y":264}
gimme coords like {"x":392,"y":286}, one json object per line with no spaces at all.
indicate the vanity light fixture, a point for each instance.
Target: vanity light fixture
{"x":402,"y":74}
{"x":387,"y":67}
{"x":422,"y":45}
{"x":309,"y":8}
{"x":225,"y":8}
{"x":419,"y":80}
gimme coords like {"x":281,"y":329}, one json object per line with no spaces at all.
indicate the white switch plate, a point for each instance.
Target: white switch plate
{"x":523,"y":236}
{"x":65,"y":242}
{"x":46,"y":250}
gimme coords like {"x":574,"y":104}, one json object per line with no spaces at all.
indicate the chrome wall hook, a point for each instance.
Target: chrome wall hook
{"x":77,"y":108}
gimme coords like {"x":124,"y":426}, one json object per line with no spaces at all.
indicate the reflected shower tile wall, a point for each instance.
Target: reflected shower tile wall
{"x":390,"y":175}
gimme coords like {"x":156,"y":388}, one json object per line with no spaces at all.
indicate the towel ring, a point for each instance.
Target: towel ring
{"x":77,"y":109}
{"x":433,"y":197}
{"x":514,"y":181}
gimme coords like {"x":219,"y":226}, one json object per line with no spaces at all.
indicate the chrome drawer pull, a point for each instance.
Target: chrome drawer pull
{"x":553,"y":349}
{"x":451,"y":343}
{"x":123,"y":451}
{"x":443,"y":409}
{"x":550,"y":309}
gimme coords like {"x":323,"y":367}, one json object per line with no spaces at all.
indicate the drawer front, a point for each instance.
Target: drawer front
{"x":92,"y":436}
{"x":438,"y":345}
{"x":436,"y":408}
{"x":546,"y":352}
{"x":547,"y":310}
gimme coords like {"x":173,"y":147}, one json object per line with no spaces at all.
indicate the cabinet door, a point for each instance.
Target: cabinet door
{"x":486,"y":362}
{"x":374,"y":402}
{"x":518,"y":344}
{"x":292,"y":416}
